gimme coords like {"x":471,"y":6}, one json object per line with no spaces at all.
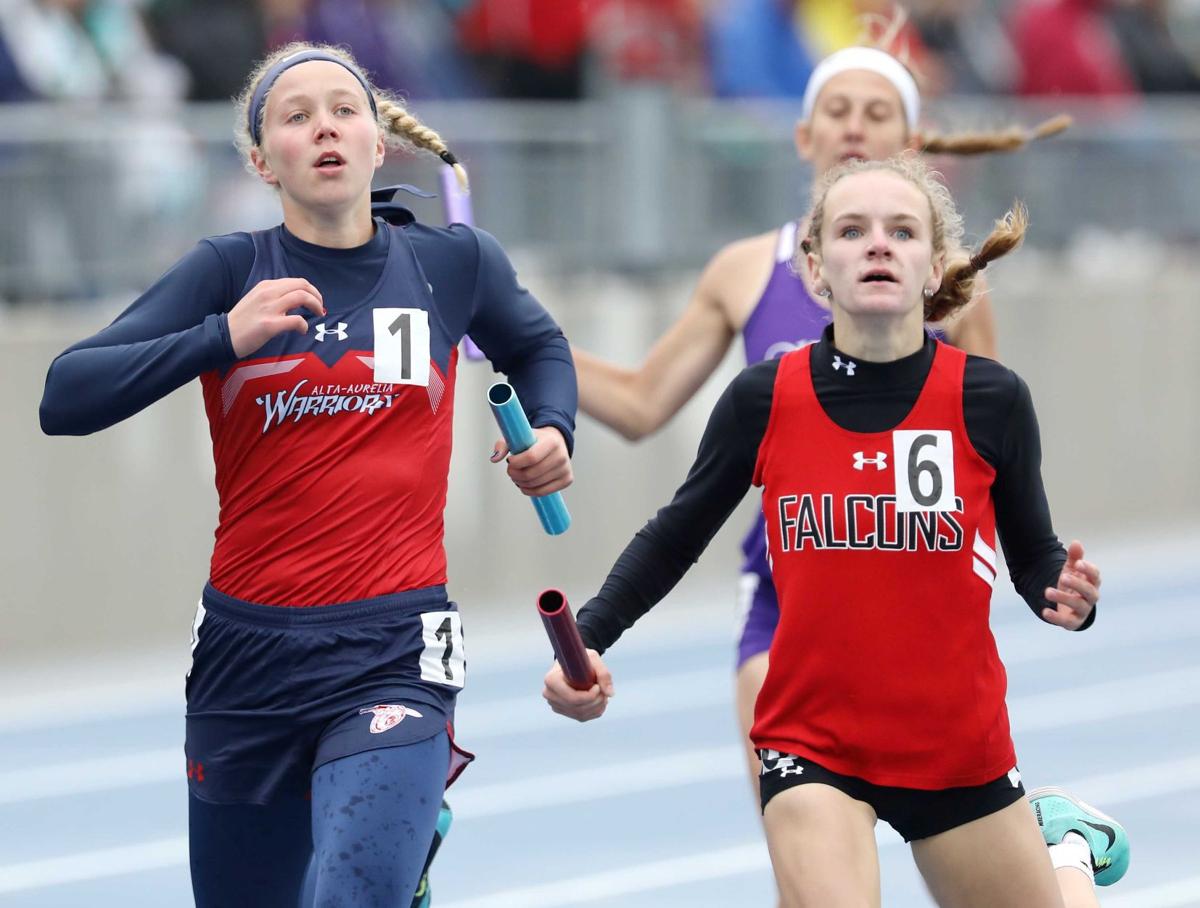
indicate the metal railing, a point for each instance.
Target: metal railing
{"x":101,"y":201}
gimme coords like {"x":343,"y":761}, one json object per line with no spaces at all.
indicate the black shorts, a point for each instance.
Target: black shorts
{"x":914,"y":813}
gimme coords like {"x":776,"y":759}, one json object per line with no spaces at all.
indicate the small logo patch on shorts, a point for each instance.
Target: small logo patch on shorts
{"x":387,"y":716}
{"x":784,"y":764}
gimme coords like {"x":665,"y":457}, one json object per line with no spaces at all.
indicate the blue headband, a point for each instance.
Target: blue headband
{"x":264,"y":84}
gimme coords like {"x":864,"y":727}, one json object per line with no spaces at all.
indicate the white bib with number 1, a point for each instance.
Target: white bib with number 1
{"x":402,"y":346}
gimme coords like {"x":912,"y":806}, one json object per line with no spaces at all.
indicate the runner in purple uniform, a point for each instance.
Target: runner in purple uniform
{"x":860,"y":103}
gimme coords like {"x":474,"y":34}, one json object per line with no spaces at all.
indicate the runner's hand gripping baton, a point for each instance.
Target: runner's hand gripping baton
{"x":456,"y":205}
{"x":551,"y":509}
{"x":564,"y":637}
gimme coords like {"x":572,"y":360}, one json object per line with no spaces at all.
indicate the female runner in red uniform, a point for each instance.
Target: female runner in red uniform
{"x":888,"y":461}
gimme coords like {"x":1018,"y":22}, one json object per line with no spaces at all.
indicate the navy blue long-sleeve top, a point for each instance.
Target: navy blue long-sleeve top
{"x":309,"y":416}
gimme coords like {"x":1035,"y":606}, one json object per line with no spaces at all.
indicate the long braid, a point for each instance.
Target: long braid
{"x":397,"y":120}
{"x":1013,"y":138}
{"x":885,"y":32}
{"x":958,"y":283}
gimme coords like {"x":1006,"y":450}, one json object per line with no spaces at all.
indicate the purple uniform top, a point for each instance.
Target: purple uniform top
{"x":785,"y":319}
{"x":786,"y":316}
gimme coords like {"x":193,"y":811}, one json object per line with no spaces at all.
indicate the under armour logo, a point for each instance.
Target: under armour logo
{"x":879,"y":460}
{"x":339,"y":332}
{"x":784,"y":763}
{"x":388,"y":715}
{"x":195,"y":770}
{"x":838,"y":363}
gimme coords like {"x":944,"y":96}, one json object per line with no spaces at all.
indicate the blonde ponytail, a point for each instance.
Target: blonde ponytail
{"x":1013,"y":138}
{"x":398,"y":121}
{"x":958,"y":283}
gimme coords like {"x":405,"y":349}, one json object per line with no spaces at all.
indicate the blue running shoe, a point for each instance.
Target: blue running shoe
{"x":1058,"y":813}
{"x":421,"y":898}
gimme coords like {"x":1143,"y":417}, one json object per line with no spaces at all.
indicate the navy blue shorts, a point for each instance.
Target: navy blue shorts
{"x":275,"y":692}
{"x":914,"y":813}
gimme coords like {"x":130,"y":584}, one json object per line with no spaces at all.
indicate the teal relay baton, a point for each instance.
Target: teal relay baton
{"x":514,"y":425}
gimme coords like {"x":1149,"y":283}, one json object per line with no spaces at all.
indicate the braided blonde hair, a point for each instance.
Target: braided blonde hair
{"x":396,"y":122}
{"x":885,"y":32}
{"x":958,"y":282}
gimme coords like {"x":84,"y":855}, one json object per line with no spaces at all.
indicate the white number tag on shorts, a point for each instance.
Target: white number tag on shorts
{"x":402,"y":346}
{"x":924,"y":460}
{"x":443,"y":659}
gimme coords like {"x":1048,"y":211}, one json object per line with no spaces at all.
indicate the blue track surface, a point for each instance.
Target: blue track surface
{"x":92,"y":801}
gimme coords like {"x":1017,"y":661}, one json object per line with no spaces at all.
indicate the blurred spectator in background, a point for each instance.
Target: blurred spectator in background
{"x":408,"y":46}
{"x":1068,"y":47}
{"x":970,"y":42}
{"x":1155,"y":60}
{"x":12,"y":86}
{"x":531,"y":49}
{"x":82,"y":201}
{"x":649,"y":41}
{"x":757,"y":50}
{"x":1183,"y":21}
{"x":765,"y":48}
{"x":82,"y":50}
{"x":217,"y":40}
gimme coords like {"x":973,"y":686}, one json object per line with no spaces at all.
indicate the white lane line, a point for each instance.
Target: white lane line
{"x":681,"y":768}
{"x":1175,"y":894}
{"x":105,"y":703}
{"x":159,"y":689}
{"x":1106,"y":701}
{"x":1139,"y":783}
{"x":698,"y":691}
{"x":93,"y":865}
{"x":656,"y":695}
{"x":610,"y":884}
{"x":1108,"y":789}
{"x":62,"y":780}
{"x":706,"y":688}
{"x":1021,"y":638}
{"x":691,"y":767}
{"x":1032,"y":640}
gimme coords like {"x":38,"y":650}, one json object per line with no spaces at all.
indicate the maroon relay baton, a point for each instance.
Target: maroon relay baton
{"x":564,"y":637}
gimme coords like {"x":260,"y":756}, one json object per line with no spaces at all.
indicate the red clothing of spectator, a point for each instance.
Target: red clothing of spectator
{"x":550,"y":33}
{"x":1065,"y":47}
{"x":659,"y":40}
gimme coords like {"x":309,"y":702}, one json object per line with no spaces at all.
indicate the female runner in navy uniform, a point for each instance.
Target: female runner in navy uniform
{"x":888,"y":461}
{"x":326,"y":654}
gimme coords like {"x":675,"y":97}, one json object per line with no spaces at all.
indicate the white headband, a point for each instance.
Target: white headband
{"x":873,"y":60}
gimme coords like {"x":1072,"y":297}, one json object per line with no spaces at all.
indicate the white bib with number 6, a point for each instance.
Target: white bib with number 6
{"x":924,"y":460}
{"x":402,"y":346}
